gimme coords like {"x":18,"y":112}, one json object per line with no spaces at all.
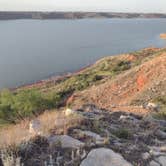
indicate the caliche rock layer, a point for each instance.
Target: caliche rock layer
{"x":104,"y":157}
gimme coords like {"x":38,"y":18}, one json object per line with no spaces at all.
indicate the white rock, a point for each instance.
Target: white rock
{"x":152,"y":106}
{"x":153,"y":163}
{"x":35,"y":127}
{"x":65,"y":141}
{"x":104,"y":157}
{"x":125,"y":118}
{"x":69,"y":112}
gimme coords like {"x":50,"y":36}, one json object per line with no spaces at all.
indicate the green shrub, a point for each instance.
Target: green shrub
{"x":122,"y":133}
{"x":161,"y":101}
{"x":121,"y":66}
{"x":23,"y":104}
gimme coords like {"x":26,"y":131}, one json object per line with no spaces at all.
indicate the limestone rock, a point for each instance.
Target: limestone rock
{"x":65,"y":141}
{"x":104,"y":157}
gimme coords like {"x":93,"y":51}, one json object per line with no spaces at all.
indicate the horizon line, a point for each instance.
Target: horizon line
{"x":81,"y":11}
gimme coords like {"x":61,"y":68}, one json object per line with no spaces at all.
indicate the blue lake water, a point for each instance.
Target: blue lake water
{"x":31,"y":50}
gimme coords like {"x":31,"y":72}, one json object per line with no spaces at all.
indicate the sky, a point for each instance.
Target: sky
{"x":157,"y":6}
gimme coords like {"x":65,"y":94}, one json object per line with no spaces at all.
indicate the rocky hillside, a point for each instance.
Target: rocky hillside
{"x":137,"y":86}
{"x":117,"y":116}
{"x":92,"y":137}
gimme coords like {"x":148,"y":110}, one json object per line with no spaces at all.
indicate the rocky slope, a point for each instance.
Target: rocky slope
{"x":134,"y":87}
{"x":100,"y":138}
{"x":116,"y":119}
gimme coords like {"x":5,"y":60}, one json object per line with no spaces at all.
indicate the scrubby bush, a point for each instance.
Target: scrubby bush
{"x":121,"y":66}
{"x":22,"y":104}
{"x":122,"y":133}
{"x":161,"y":101}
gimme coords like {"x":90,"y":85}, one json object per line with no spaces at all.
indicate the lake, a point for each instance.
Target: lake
{"x":32,"y":50}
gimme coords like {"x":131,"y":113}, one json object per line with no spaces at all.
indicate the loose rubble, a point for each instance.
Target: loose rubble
{"x":102,"y":138}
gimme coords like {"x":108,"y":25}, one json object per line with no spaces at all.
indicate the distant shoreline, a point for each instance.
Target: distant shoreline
{"x":14,"y":15}
{"x":57,"y":78}
{"x":52,"y":79}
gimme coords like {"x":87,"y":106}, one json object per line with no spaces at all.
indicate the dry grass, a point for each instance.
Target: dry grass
{"x":14,"y":134}
{"x":54,"y":121}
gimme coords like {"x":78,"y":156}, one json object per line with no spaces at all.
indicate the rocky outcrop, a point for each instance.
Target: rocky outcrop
{"x":101,"y":138}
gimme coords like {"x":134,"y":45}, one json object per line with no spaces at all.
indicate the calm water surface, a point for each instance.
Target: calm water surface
{"x":31,"y":50}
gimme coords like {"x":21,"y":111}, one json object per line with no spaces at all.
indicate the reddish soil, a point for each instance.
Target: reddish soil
{"x":120,"y":92}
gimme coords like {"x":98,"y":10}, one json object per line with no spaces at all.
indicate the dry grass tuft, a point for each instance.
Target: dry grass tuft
{"x":14,"y":134}
{"x":53,"y":121}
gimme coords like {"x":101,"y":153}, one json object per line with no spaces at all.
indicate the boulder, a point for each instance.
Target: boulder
{"x":104,"y":157}
{"x":65,"y":141}
{"x":153,"y":163}
{"x":35,"y":127}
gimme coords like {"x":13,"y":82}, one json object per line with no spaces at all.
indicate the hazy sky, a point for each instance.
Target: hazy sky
{"x":86,"y":5}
